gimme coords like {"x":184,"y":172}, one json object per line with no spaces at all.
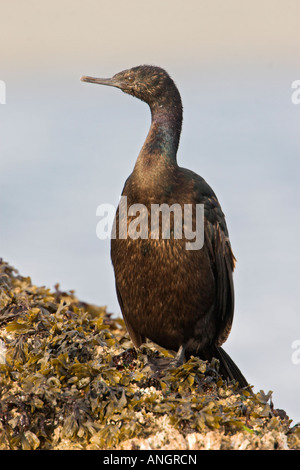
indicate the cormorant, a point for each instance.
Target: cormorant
{"x":181,"y":299}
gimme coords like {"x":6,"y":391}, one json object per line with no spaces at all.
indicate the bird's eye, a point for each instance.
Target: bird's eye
{"x":130,"y":79}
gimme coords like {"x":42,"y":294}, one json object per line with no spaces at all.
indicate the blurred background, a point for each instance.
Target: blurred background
{"x":67,"y":147}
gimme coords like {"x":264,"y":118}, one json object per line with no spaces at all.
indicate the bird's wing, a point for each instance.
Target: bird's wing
{"x":216,"y":239}
{"x":223,"y":262}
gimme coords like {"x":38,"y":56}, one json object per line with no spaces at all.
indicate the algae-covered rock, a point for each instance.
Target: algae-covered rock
{"x":70,"y":379}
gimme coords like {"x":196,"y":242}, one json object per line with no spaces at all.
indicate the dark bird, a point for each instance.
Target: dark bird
{"x":181,"y":299}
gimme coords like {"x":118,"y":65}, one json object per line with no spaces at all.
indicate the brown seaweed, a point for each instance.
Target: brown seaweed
{"x":70,"y":379}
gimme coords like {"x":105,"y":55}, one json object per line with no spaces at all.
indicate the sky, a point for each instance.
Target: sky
{"x":66,"y":147}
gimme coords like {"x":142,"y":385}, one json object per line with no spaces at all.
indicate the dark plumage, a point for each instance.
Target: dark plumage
{"x":180,"y":299}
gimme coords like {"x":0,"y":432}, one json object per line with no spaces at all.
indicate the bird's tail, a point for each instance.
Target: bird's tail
{"x":228,"y":369}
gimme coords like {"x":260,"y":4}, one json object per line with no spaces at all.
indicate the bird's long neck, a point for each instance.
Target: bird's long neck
{"x":160,"y":148}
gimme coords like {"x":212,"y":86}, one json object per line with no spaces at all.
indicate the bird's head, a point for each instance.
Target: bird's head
{"x":146,"y":82}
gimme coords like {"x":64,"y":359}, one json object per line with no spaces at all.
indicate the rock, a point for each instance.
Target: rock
{"x":70,"y":379}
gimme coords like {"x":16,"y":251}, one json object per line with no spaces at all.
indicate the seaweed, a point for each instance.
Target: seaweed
{"x":70,"y":379}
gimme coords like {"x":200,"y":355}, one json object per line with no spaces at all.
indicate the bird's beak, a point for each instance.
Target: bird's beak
{"x":100,"y":81}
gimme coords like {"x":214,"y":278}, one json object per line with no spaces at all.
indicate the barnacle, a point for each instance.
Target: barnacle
{"x":70,"y":379}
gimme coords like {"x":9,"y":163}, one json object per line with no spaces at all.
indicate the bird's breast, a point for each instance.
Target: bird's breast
{"x":165,"y":288}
